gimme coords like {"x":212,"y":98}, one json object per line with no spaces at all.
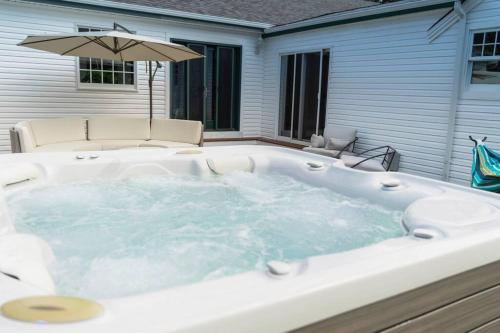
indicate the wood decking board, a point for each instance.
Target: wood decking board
{"x":491,"y":327}
{"x":479,"y":287}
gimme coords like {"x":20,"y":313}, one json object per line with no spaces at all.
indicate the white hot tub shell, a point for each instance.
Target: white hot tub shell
{"x":451,"y":229}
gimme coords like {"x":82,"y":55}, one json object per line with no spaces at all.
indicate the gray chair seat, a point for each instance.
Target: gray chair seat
{"x":326,"y":152}
{"x":369,"y":165}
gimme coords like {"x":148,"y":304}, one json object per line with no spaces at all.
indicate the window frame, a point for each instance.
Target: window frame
{"x":478,"y":91}
{"x":101,"y":86}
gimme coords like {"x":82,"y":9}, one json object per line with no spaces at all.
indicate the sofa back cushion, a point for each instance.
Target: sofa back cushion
{"x":118,"y":128}
{"x":177,"y":130}
{"x":55,"y":130}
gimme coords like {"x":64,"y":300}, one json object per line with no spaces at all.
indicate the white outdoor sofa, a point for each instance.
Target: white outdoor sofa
{"x":103,"y":133}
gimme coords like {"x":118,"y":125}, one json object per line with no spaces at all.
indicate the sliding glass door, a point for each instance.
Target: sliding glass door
{"x":208,"y":89}
{"x":304,"y":85}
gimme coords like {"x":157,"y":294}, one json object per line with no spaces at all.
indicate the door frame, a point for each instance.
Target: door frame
{"x":236,"y":87}
{"x":301,"y":92}
{"x":287,"y":52}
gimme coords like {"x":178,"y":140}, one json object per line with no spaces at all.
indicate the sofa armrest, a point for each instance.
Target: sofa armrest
{"x":25,"y":136}
{"x":15,"y":143}
{"x":201,"y":136}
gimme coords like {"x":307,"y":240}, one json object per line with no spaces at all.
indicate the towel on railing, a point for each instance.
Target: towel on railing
{"x":485,"y":168}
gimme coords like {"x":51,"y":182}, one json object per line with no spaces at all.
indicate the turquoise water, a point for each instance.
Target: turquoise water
{"x":122,"y":237}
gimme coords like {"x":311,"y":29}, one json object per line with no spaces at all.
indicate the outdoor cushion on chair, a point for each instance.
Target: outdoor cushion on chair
{"x":322,"y":151}
{"x":338,"y":141}
{"x":370,"y":165}
{"x":317,"y":141}
{"x":340,"y":135}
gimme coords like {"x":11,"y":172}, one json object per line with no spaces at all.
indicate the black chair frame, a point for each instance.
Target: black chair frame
{"x":353,"y":143}
{"x":386,"y":161}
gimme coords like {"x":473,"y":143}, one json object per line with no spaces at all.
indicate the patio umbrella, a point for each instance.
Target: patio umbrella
{"x":114,"y":45}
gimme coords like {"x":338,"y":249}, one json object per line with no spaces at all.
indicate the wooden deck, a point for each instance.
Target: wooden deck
{"x":467,"y":302}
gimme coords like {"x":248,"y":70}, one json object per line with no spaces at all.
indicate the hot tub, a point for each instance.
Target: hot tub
{"x":227,"y":239}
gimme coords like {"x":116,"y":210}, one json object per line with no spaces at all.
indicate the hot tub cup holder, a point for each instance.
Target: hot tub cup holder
{"x":391,"y":184}
{"x":426,"y":233}
{"x":315,"y":166}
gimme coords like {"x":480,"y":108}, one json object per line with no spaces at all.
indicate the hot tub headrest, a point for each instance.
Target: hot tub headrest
{"x":223,"y":165}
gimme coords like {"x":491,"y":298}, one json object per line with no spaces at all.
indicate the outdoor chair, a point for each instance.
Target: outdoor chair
{"x":367,"y":162}
{"x":336,"y":141}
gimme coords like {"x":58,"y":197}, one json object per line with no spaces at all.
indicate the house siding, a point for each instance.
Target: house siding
{"x":478,"y":117}
{"x":36,"y":84}
{"x":385,"y":79}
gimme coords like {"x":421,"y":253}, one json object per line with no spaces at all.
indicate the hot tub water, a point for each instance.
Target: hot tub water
{"x":122,"y":237}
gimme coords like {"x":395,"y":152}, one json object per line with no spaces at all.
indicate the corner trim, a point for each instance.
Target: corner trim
{"x":451,"y":18}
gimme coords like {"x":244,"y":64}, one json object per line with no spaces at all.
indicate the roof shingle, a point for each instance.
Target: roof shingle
{"x":274,"y":12}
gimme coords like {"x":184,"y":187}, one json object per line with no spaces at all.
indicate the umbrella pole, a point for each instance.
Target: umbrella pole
{"x":150,"y":92}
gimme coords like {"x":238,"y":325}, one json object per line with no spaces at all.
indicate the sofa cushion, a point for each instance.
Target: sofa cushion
{"x":68,"y":146}
{"x":166,"y":144}
{"x":118,"y":144}
{"x":118,"y":128}
{"x":176,"y":130}
{"x":370,"y":165}
{"x":54,"y":130}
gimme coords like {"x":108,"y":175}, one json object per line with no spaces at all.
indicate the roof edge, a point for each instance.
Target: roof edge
{"x":132,"y":9}
{"x":358,"y":15}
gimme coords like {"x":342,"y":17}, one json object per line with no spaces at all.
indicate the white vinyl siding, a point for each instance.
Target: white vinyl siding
{"x":477,"y":116}
{"x":36,"y":84}
{"x":385,"y":79}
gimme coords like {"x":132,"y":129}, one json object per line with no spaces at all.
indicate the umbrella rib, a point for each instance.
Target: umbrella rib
{"x":126,"y":46}
{"x":127,"y":43}
{"x":76,"y":47}
{"x":44,"y":40}
{"x":166,"y":56}
{"x":99,"y":42}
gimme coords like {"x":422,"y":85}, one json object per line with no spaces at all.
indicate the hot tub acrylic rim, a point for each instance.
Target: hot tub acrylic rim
{"x":421,"y":249}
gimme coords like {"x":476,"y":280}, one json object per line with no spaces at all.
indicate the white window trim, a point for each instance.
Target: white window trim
{"x":102,"y":87}
{"x":478,"y":91}
{"x":291,"y":51}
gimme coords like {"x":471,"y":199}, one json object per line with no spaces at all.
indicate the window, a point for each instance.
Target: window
{"x":101,"y":72}
{"x":208,"y":89}
{"x":485,"y":58}
{"x":304,"y":86}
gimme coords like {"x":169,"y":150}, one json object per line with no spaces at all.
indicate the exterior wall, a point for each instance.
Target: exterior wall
{"x":385,"y":79}
{"x":35,"y":84}
{"x":477,"y":115}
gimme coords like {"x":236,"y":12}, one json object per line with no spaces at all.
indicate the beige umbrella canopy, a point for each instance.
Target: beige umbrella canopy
{"x":113,"y":45}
